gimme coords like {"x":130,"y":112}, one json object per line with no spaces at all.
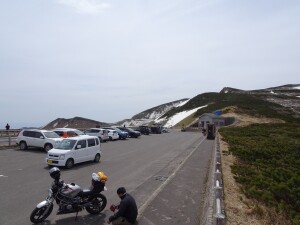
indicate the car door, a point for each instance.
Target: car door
{"x":27,"y":137}
{"x":80,"y":152}
{"x":115,"y":135}
{"x":38,"y":139}
{"x":90,"y":149}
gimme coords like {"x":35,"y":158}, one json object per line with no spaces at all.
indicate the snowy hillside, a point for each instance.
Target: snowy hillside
{"x":151,"y":115}
{"x":173,"y":120}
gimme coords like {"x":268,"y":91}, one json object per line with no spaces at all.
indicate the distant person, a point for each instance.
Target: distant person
{"x":127,"y":209}
{"x":7,"y":126}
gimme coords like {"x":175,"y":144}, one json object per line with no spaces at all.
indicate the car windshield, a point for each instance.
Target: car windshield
{"x":78,"y":132}
{"x":66,"y":144}
{"x":51,"y":134}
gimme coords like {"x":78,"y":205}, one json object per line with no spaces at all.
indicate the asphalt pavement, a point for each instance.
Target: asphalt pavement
{"x":144,"y":166}
{"x":179,"y":201}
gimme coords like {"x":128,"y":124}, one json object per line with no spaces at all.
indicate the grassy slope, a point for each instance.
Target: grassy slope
{"x":268,"y":167}
{"x":246,"y":103}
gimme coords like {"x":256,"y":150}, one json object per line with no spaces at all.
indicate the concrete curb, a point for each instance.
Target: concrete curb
{"x":219,"y":217}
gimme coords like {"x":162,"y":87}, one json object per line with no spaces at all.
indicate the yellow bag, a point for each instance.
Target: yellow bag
{"x":102,"y":176}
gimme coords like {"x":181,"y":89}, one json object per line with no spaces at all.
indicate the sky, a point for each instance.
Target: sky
{"x":108,"y":60}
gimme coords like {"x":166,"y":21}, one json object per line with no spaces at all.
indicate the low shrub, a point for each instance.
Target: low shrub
{"x":268,"y":167}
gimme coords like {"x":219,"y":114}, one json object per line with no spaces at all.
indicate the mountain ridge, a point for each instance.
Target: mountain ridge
{"x":284,"y":99}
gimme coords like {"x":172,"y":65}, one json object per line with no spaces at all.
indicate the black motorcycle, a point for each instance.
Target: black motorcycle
{"x":71,"y":199}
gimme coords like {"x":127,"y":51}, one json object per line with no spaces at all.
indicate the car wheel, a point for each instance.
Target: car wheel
{"x":69,"y":163}
{"x":23,"y":145}
{"x":48,"y":147}
{"x":97,"y":158}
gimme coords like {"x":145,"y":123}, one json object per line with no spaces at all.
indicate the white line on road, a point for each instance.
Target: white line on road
{"x":3,"y":176}
{"x":158,"y":190}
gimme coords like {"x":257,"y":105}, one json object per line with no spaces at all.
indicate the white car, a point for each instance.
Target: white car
{"x":113,"y":135}
{"x":75,"y":150}
{"x":98,"y":132}
{"x":67,"y":132}
{"x":37,"y":138}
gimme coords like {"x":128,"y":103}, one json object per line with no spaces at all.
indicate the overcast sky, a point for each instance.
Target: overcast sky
{"x":110,"y":59}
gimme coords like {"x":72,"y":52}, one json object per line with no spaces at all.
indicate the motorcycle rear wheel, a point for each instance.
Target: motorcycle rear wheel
{"x":38,"y":216}
{"x":99,"y":203}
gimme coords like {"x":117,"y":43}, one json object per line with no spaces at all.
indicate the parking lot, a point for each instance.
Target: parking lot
{"x":134,"y":163}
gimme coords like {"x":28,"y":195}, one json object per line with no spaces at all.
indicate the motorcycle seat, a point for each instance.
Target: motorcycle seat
{"x":86,"y":192}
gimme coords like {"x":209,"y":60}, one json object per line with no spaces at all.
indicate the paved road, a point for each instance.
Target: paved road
{"x":137,"y":164}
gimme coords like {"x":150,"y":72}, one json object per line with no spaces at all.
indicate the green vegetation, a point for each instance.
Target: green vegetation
{"x":246,"y":103}
{"x":269,"y":164}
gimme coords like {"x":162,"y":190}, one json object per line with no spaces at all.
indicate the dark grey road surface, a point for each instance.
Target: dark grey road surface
{"x":140,"y":165}
{"x":179,"y":202}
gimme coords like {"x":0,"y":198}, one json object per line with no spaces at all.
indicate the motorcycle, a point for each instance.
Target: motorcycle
{"x":71,"y":198}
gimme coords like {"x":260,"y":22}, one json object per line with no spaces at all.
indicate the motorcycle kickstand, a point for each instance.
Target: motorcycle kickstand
{"x":76,"y":216}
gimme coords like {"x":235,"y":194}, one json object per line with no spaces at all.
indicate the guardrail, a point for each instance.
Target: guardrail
{"x":213,"y":204}
{"x":9,"y":133}
{"x":219,"y":207}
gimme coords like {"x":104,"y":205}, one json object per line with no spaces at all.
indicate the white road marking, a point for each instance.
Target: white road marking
{"x":3,"y":176}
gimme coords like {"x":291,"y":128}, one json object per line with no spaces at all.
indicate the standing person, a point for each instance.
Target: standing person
{"x":127,"y":209}
{"x":7,"y":126}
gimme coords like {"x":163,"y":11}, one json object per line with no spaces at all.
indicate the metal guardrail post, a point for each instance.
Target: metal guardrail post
{"x":219,"y":210}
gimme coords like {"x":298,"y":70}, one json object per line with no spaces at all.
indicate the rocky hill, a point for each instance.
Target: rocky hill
{"x":76,"y":122}
{"x":287,"y":96}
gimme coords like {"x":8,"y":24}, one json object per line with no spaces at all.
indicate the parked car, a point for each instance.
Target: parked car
{"x":67,"y":132}
{"x":37,"y":138}
{"x":143,"y":129}
{"x":122,"y":134}
{"x":113,"y":135}
{"x":132,"y":133}
{"x":98,"y":132}
{"x":156,"y":129}
{"x":75,"y":150}
{"x":165,"y":130}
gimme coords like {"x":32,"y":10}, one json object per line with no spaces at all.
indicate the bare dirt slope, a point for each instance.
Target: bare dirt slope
{"x":239,"y":209}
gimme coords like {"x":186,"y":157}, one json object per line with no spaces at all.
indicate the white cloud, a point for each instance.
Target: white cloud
{"x":86,"y":6}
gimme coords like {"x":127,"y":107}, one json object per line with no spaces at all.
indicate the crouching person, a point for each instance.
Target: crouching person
{"x":126,"y":211}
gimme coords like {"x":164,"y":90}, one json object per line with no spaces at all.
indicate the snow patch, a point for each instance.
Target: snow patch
{"x":66,"y":126}
{"x":297,"y":87}
{"x":226,"y":92}
{"x":54,"y":125}
{"x":298,"y":96}
{"x":182,"y":103}
{"x":173,"y":120}
{"x":272,"y":92}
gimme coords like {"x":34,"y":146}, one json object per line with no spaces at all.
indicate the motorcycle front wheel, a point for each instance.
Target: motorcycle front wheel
{"x":97,"y":204}
{"x":38,"y":215}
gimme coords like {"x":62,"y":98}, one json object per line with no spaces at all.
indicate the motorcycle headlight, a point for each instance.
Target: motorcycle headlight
{"x":62,"y":157}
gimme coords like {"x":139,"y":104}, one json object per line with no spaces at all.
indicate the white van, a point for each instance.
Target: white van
{"x":75,"y":150}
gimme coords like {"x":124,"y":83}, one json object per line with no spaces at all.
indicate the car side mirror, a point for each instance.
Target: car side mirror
{"x":41,"y":137}
{"x":78,"y":147}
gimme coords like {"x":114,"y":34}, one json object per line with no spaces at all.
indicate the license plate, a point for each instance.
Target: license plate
{"x":49,"y":161}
